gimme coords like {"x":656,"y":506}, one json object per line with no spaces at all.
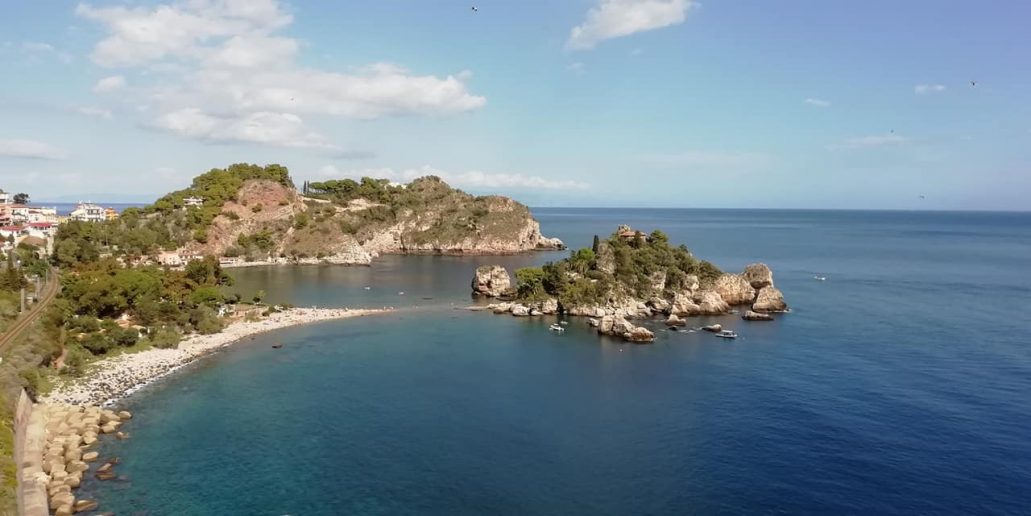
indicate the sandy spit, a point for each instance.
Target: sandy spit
{"x":112,"y":379}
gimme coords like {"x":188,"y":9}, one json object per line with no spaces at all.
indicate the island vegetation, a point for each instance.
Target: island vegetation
{"x":631,"y":274}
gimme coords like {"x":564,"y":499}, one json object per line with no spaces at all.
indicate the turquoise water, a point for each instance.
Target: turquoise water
{"x":900,"y":385}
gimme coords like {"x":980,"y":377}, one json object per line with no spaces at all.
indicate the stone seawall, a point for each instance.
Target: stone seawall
{"x":29,"y":440}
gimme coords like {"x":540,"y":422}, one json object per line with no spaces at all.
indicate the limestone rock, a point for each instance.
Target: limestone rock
{"x":714,"y":328}
{"x":756,"y":316}
{"x":658,"y":281}
{"x":85,"y":505}
{"x":491,"y":280}
{"x":758,"y":275}
{"x":520,"y":310}
{"x":711,"y":303}
{"x":639,"y":334}
{"x":500,"y":308}
{"x":605,"y":258}
{"x":734,"y":289}
{"x":593,"y":322}
{"x":125,"y":414}
{"x":673,"y":320}
{"x":683,"y":304}
{"x":550,"y":243}
{"x":90,"y":456}
{"x":659,"y":304}
{"x":549,"y":306}
{"x":769,"y":300}
{"x":605,"y":326}
{"x":64,"y":510}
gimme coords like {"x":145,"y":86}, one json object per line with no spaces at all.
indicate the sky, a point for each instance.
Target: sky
{"x":624,"y":103}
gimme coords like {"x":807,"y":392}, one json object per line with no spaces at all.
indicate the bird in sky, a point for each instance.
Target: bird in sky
{"x":475,"y":9}
{"x":922,"y":197}
{"x":973,"y":83}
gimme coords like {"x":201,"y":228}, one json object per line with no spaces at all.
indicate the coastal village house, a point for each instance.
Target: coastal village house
{"x":193,"y":202}
{"x":88,"y":212}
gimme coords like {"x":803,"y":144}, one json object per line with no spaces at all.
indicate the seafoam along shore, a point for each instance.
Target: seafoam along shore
{"x":115,"y":378}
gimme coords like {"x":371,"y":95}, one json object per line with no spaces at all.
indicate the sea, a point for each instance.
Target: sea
{"x":899,"y":384}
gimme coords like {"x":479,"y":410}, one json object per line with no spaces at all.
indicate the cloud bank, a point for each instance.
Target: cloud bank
{"x":220,"y":73}
{"x":619,"y":18}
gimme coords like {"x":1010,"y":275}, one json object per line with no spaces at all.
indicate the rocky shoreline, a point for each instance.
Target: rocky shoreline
{"x":752,"y":288}
{"x":115,"y":378}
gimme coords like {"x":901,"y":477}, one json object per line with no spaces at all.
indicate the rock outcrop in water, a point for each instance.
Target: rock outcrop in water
{"x":634,"y":275}
{"x":491,"y":281}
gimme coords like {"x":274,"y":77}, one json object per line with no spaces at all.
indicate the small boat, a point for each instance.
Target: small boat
{"x":563,"y":323}
{"x":727,"y":334}
{"x":820,"y":278}
{"x":277,"y":346}
{"x":556,"y":328}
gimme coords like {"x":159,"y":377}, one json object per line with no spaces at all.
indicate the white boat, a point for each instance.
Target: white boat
{"x":556,"y":328}
{"x":727,"y":334}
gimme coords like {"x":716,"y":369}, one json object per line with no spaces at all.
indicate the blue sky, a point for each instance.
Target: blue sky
{"x":666,"y":103}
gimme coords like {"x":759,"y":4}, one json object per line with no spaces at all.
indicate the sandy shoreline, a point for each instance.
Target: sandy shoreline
{"x":115,"y":378}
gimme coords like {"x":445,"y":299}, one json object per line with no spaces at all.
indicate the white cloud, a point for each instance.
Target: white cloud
{"x":577,"y":68}
{"x":283,"y":129}
{"x":817,"y":102}
{"x":94,"y":111}
{"x":32,"y":149}
{"x":140,"y":35}
{"x":109,"y":84}
{"x":221,"y":64}
{"x":878,"y":140}
{"x":472,"y":179}
{"x":618,"y":18}
{"x":924,"y":89}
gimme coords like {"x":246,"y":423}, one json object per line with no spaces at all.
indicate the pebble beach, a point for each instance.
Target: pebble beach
{"x":111,"y":379}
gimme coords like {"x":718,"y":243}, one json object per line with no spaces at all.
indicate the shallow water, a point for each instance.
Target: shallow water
{"x":901,"y":384}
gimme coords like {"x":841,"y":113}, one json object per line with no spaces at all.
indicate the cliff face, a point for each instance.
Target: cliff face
{"x":353,"y":223}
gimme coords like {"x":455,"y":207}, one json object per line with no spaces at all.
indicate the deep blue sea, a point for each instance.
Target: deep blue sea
{"x":900,"y":385}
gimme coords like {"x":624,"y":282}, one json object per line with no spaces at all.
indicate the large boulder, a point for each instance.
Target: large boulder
{"x":659,"y":304}
{"x":549,"y":306}
{"x":520,"y":310}
{"x":673,"y":320}
{"x":758,"y":275}
{"x":734,"y":289}
{"x":621,"y":326}
{"x":711,"y":303}
{"x":756,"y":316}
{"x":491,"y":281}
{"x":769,"y":300}
{"x":605,"y":325}
{"x":683,"y":304}
{"x":639,"y":334}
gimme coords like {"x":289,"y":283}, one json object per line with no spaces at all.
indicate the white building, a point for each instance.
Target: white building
{"x":193,"y":201}
{"x":5,"y":198}
{"x":88,"y":212}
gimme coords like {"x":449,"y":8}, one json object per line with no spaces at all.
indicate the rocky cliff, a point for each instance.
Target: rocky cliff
{"x":255,"y":214}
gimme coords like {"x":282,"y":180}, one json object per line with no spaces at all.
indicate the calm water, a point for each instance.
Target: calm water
{"x":900,"y":385}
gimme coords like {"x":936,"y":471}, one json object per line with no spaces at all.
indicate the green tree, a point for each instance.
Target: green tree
{"x":21,"y":198}
{"x":259,"y":296}
{"x":530,"y":283}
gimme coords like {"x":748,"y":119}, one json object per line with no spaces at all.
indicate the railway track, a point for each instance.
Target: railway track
{"x":49,"y":293}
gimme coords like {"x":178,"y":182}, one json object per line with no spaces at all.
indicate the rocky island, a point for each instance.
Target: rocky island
{"x":631,"y":275}
{"x":248,"y":214}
